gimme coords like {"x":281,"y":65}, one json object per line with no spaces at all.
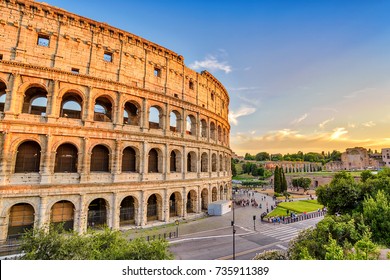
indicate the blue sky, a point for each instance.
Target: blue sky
{"x":301,"y":75}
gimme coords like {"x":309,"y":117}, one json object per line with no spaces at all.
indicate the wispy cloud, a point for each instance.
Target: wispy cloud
{"x":211,"y":63}
{"x":337,"y":133}
{"x":242,"y":111}
{"x":300,"y":119}
{"x":369,"y":124}
{"x":325,"y":122}
{"x":358,"y":92}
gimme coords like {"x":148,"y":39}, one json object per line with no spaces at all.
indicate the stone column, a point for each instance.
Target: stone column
{"x":89,"y":106}
{"x":145,"y":116}
{"x":166,"y":162}
{"x":42,"y":217}
{"x":6,"y":158}
{"x":184,"y":202}
{"x":13,"y":97}
{"x":85,"y":168}
{"x":4,"y":220}
{"x":166,"y":206}
{"x":144,"y":160}
{"x":83,"y":214}
{"x":184,"y":162}
{"x":117,"y":160}
{"x":52,"y":100}
{"x":115,"y":210}
{"x":47,"y":167}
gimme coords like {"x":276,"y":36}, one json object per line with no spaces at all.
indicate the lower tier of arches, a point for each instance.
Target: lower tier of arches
{"x":117,"y":210}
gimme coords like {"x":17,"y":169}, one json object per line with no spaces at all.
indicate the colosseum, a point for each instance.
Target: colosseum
{"x":102,"y":127}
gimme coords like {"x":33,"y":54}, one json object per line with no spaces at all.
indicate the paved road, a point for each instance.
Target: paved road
{"x":212,"y":238}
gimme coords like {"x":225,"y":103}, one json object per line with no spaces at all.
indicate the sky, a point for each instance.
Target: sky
{"x":306,"y":76}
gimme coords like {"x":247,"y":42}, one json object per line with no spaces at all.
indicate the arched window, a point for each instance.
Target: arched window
{"x":71,"y":106}
{"x":2,"y":96}
{"x":62,"y":212}
{"x":28,"y":157}
{"x":204,"y":162}
{"x":21,"y":218}
{"x":212,"y":130}
{"x":129,"y":160}
{"x":100,"y":159}
{"x":127,"y":211}
{"x":220,"y":163}
{"x":174,"y":121}
{"x":214,"y":163}
{"x":203,"y":128}
{"x":153,"y":161}
{"x":102,"y":109}
{"x":97,"y":213}
{"x":35,"y":101}
{"x":219,"y":133}
{"x":131,"y":114}
{"x":66,"y":159}
{"x":172,"y":166}
{"x":191,"y":125}
{"x":155,"y":118}
{"x":191,"y":162}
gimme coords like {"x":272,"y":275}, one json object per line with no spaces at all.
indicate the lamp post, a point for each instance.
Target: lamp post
{"x":234,"y":232}
{"x":177,"y":228}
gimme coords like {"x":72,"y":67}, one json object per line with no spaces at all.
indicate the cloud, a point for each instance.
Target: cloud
{"x":211,"y":63}
{"x":322,"y":125}
{"x":300,"y":119}
{"x":242,"y":111}
{"x":337,"y":133}
{"x":369,"y":124}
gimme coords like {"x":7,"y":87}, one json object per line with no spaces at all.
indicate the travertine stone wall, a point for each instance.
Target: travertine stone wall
{"x":55,"y":53}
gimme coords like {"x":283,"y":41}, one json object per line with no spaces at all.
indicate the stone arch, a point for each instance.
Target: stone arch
{"x":154,"y":208}
{"x":221,"y":193}
{"x":98,"y":210}
{"x":214,"y":162}
{"x":63,"y":212}
{"x":155,"y":161}
{"x":21,"y":218}
{"x":128,"y":211}
{"x":220,"y":162}
{"x":175,"y":161}
{"x":156,"y":117}
{"x":203,"y":128}
{"x":66,"y":159}
{"x":219,"y":133}
{"x":100,"y":159}
{"x":3,"y":95}
{"x":72,"y":104}
{"x":192,"y":162}
{"x":28,"y":157}
{"x":192,"y":199}
{"x":130,"y":159}
{"x":204,"y":162}
{"x":175,"y":121}
{"x":103,"y":108}
{"x":212,"y":131}
{"x":131,"y":113}
{"x":191,"y":125}
{"x":204,"y":199}
{"x":175,"y":204}
{"x":35,"y":100}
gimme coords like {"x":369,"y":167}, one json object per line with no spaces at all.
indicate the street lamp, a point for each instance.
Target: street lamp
{"x":177,"y":228}
{"x":234,"y":232}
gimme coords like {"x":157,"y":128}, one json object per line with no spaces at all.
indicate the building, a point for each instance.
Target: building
{"x":100,"y":126}
{"x":386,"y":156}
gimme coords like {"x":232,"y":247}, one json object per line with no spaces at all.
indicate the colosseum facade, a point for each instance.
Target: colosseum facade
{"x":100,"y":126}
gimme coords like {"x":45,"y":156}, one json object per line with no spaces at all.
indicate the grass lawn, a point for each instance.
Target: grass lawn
{"x":297,"y":207}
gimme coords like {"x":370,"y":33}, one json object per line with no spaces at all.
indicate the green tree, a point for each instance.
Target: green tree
{"x":233,"y":167}
{"x":54,"y":244}
{"x":263,"y":156}
{"x":277,"y":180}
{"x":283,"y":187}
{"x":249,"y":157}
{"x":365,"y":175}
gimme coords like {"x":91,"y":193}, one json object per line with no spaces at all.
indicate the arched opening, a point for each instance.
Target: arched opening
{"x":66,"y":159}
{"x":153,"y":161}
{"x":97,"y":213}
{"x":219,"y":133}
{"x":224,"y":135}
{"x":205,"y":199}
{"x":154,"y":208}
{"x":212,"y":130}
{"x":131,"y":114}
{"x":100,"y":159}
{"x":102,"y":109}
{"x":62,"y":212}
{"x":129,"y":160}
{"x":127,"y":211}
{"x":2,"y":96}
{"x":203,"y":128}
{"x":155,"y":118}
{"x":21,"y":219}
{"x":175,"y":204}
{"x":174,"y":121}
{"x":191,"y":125}
{"x":191,"y":202}
{"x":35,"y":101}
{"x":191,"y":162}
{"x":214,"y":194}
{"x":71,"y":106}
{"x":28,"y":157}
{"x":204,"y":162}
{"x":221,"y":197}
{"x":220,"y":163}
{"x":214,"y":163}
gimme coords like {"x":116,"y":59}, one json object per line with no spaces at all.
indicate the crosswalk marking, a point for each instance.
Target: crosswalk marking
{"x":281,"y":232}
